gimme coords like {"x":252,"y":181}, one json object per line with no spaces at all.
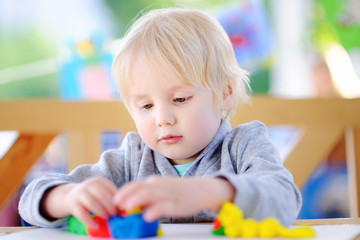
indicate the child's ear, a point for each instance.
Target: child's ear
{"x":228,"y":97}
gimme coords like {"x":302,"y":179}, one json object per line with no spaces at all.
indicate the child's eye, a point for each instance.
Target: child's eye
{"x":147,"y":106}
{"x":181,"y":100}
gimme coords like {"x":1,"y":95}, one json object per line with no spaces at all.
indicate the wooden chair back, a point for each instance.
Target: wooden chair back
{"x":322,"y":121}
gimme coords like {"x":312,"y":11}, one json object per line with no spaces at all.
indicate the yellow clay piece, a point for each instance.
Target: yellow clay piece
{"x":269,"y":228}
{"x":136,"y":210}
{"x":229,"y":214}
{"x":231,"y":219}
{"x":250,"y":228}
{"x":232,"y":231}
{"x":301,"y":232}
{"x":159,"y":233}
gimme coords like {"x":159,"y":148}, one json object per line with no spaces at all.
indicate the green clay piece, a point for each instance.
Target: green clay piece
{"x":218,"y":232}
{"x":75,"y":226}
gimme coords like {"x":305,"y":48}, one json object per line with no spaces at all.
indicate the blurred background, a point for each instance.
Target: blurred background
{"x":63,"y":49}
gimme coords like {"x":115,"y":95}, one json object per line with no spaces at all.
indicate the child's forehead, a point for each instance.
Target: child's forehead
{"x":161,"y":76}
{"x":151,"y":61}
{"x":147,"y":67}
{"x":144,"y":68}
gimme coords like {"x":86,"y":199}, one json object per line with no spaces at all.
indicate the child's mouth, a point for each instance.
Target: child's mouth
{"x":170,"y":139}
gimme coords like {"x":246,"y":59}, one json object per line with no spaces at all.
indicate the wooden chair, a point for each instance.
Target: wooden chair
{"x":323,"y":123}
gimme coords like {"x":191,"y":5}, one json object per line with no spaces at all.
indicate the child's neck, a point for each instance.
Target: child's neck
{"x":182,"y":161}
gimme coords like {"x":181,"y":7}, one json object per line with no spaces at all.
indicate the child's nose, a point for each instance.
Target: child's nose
{"x":164,"y":116}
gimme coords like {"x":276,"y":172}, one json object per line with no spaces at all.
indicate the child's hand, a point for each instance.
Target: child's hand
{"x":174,"y":196}
{"x":94,"y":195}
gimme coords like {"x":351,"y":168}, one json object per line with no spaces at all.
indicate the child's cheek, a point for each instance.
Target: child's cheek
{"x":144,"y":128}
{"x":201,"y":124}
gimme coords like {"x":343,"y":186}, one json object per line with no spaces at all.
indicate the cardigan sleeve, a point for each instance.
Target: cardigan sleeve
{"x":264,"y":187}
{"x":112,"y":165}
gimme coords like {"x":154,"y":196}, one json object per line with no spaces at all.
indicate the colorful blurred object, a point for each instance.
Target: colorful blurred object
{"x":337,"y":20}
{"x":85,"y":71}
{"x":325,"y":194}
{"x":128,"y":224}
{"x":336,"y":37}
{"x":247,"y":25}
{"x":230,"y":222}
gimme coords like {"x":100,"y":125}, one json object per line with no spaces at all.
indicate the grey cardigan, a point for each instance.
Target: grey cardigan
{"x":244,"y":155}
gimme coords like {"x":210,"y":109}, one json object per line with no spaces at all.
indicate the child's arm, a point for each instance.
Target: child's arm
{"x":110,"y":166}
{"x":174,"y":196}
{"x":94,"y":195}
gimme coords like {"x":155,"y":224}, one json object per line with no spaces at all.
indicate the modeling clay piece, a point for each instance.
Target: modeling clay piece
{"x":102,"y":229}
{"x":128,"y":224}
{"x":132,"y":226}
{"x":75,"y":226}
{"x":230,"y":222}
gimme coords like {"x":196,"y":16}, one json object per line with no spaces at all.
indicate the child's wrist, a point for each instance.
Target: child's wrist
{"x":44,"y":202}
{"x":222,"y":191}
{"x":52,"y":205}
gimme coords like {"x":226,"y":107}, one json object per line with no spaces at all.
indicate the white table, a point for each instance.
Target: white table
{"x":332,"y":231}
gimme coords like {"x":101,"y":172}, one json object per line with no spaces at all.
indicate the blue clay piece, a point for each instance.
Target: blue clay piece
{"x":132,"y":226}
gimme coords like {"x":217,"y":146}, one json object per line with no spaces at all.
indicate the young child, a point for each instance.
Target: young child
{"x":179,"y":80}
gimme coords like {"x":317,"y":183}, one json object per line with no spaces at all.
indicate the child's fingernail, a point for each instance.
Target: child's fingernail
{"x":126,"y":205}
{"x":148,"y":218}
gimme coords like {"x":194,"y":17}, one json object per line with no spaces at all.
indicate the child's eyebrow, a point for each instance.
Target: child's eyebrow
{"x":178,"y":87}
{"x":138,"y":97}
{"x":181,"y":87}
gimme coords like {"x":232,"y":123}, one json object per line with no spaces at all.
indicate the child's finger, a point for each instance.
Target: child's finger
{"x":124,"y":193}
{"x":92,"y":204}
{"x":83,"y":215}
{"x":108,"y":185}
{"x":104,"y":199}
{"x":145,"y":196}
{"x":158,"y":210}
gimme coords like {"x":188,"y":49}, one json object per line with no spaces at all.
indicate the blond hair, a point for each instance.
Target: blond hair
{"x":192,"y":44}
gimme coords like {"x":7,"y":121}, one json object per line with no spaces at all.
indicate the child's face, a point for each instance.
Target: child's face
{"x":172,"y":117}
